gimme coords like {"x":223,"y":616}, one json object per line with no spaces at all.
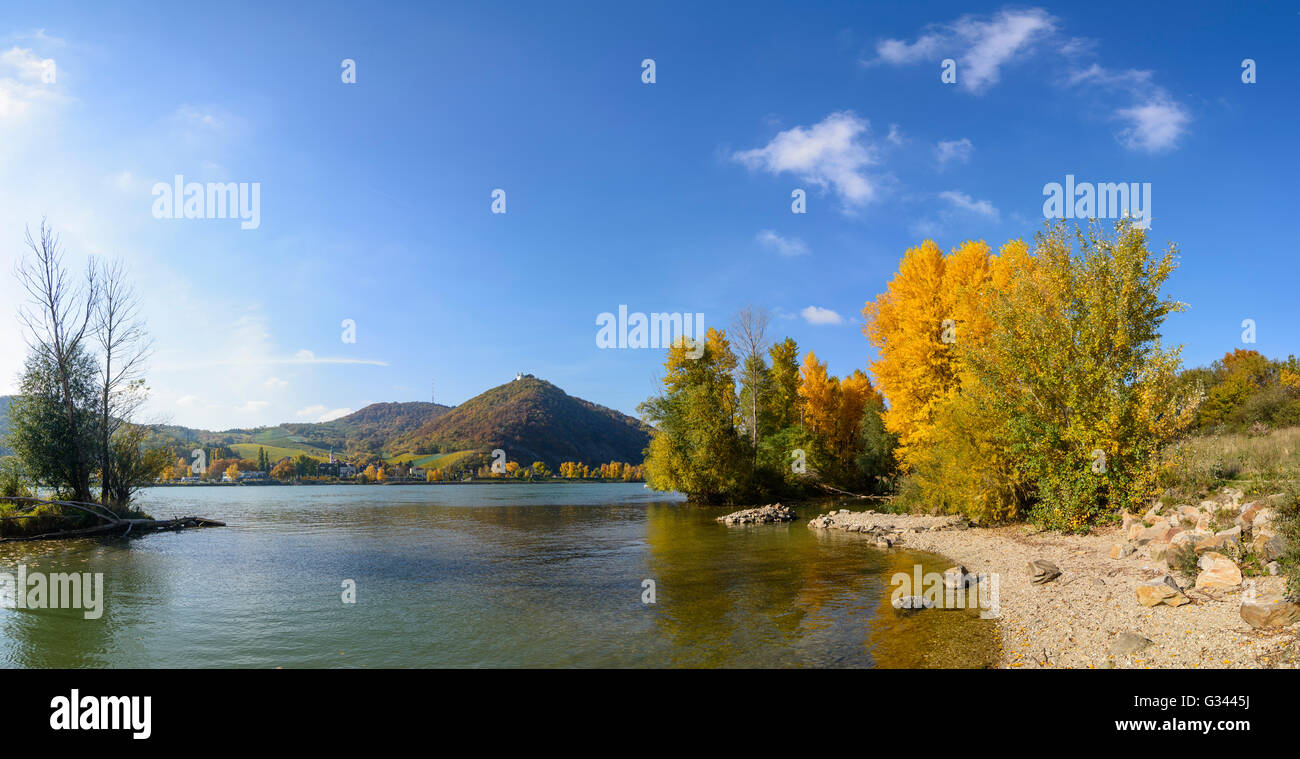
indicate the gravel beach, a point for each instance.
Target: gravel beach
{"x":1089,"y":616}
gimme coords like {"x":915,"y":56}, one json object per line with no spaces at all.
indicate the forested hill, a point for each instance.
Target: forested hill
{"x":533,"y":420}
{"x":529,"y":418}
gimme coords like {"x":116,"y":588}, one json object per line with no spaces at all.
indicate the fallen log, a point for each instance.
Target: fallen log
{"x":121,"y":527}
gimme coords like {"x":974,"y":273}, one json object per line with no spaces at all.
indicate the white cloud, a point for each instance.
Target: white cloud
{"x":819,"y":315}
{"x":966,"y":202}
{"x":323,"y":414}
{"x":40,"y":35}
{"x":832,"y":153}
{"x":981,"y":47}
{"x":300,"y":358}
{"x":895,"y":137}
{"x":330,"y":416}
{"x":275,"y":383}
{"x":1155,"y":122}
{"x":786,"y":246}
{"x":21,"y":85}
{"x":252,"y":406}
{"x":187,"y":400}
{"x":1153,"y":126}
{"x":953,"y":150}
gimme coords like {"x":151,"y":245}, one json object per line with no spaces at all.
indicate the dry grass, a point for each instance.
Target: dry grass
{"x":1258,"y":464}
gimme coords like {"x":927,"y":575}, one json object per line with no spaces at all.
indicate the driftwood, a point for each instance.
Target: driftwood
{"x":113,"y":524}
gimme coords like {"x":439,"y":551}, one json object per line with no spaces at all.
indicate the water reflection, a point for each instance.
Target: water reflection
{"x":465,"y":576}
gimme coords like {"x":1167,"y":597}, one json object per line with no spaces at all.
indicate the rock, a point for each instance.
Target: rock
{"x":1129,"y":519}
{"x":762,"y":515}
{"x":1273,"y":568}
{"x":1264,"y":519}
{"x":1268,"y":546}
{"x":1160,"y":532}
{"x":1121,"y":550}
{"x":958,"y":578}
{"x":1042,"y":571}
{"x":1158,"y":551}
{"x":1221,"y":541}
{"x":1270,"y":610}
{"x":912,"y":604}
{"x":1129,"y":643}
{"x":883,"y":542}
{"x":1247,"y":516}
{"x":1232,"y":495}
{"x":1163,"y":590}
{"x":1217,"y":571}
{"x":1209,"y":507}
{"x":1189,"y":539}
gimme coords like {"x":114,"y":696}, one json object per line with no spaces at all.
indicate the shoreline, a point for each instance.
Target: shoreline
{"x":1088,"y":616}
{"x":502,"y":481}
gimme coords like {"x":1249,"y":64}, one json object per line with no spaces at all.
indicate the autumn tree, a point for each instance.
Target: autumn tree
{"x":1073,"y":377}
{"x":930,"y":306}
{"x":283,"y":469}
{"x":697,"y":448}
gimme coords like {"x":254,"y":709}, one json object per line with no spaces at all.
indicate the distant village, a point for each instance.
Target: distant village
{"x":228,"y":470}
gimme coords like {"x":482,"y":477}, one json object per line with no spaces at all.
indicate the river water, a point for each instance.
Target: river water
{"x":500,"y":575}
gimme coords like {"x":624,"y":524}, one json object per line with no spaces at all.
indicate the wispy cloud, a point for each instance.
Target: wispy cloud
{"x":21,"y":83}
{"x":249,"y":407}
{"x":1154,"y":123}
{"x":953,"y":150}
{"x":786,"y":246}
{"x":321,"y":413}
{"x":965,"y":202}
{"x":833,"y":153}
{"x":301,"y":358}
{"x":981,"y":46}
{"x":819,"y":315}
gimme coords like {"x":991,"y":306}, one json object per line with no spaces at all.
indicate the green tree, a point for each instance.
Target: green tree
{"x":697,"y":448}
{"x":784,"y":403}
{"x":1073,"y":379}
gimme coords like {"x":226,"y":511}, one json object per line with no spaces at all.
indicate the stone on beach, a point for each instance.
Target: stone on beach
{"x":1270,"y":610}
{"x":1042,"y":571}
{"x":1129,"y":643}
{"x":1217,"y":571}
{"x":1162,"y":590}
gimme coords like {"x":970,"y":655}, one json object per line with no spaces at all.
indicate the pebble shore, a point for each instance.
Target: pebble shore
{"x":1089,"y":616}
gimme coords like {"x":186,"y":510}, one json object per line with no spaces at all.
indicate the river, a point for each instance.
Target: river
{"x":499,"y":575}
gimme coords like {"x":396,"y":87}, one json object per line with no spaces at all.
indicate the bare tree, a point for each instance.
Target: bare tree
{"x":58,"y":319}
{"x":749,"y":327}
{"x":124,"y":347}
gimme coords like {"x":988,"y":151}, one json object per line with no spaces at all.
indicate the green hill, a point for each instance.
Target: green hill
{"x":533,"y":420}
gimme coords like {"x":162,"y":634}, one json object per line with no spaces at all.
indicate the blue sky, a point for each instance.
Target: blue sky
{"x":666,"y":197}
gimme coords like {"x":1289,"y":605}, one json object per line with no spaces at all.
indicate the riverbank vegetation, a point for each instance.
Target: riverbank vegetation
{"x":1027,"y":383}
{"x":72,"y":428}
{"x":749,"y":422}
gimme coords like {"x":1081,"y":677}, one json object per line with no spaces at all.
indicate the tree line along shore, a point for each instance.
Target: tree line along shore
{"x":1024,"y":386}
